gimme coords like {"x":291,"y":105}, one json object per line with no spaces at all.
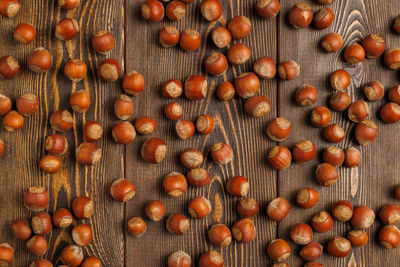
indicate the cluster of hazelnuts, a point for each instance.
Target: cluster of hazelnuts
{"x":37,"y":199}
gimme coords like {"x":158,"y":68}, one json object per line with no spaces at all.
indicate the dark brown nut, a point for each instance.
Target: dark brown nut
{"x":247,"y":207}
{"x":363,"y":217}
{"x":82,"y":235}
{"x":265,"y":67}
{"x":62,"y":218}
{"x":244,"y":230}
{"x":342,"y":210}
{"x":322,"y":222}
{"x":220,"y":235}
{"x":41,"y":223}
{"x":177,"y":224}
{"x":339,"y":101}
{"x":198,"y":177}
{"x":311,"y":251}
{"x":83,"y":207}
{"x":278,"y":250}
{"x":72,"y":255}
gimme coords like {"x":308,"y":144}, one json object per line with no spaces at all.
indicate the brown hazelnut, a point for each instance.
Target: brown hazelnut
{"x":332,"y":42}
{"x":175,"y":184}
{"x":322,"y":222}
{"x":323,"y":18}
{"x":339,"y":247}
{"x":40,"y":60}
{"x":61,"y":120}
{"x":41,"y":223}
{"x":196,"y":87}
{"x":109,"y":70}
{"x":56,"y":144}
{"x":172,"y":89}
{"x":326,"y":174}
{"x":342,"y":210}
{"x":133,"y":83}
{"x":365,"y":132}
{"x":238,"y":186}
{"x":36,"y":198}
{"x":9,"y":8}
{"x":352,"y":157}
{"x":83,"y":207}
{"x":257,"y":106}
{"x":340,"y":80}
{"x":198,"y":177}
{"x":304,"y":151}
{"x":247,"y":85}
{"x":265,"y":67}
{"x":169,"y":35}
{"x":216,"y":63}
{"x":307,"y":198}
{"x":220,"y":235}
{"x":311,"y":251}
{"x":88,"y":153}
{"x":334,"y":133}
{"x":211,"y":258}
{"x":177,"y":224}
{"x":137,"y":226}
{"x":374,"y":45}
{"x":13,"y":121}
{"x":72,"y":256}
{"x":103,"y":42}
{"x":333,"y":155}
{"x":306,"y":95}
{"x":268,"y":9}
{"x":75,"y":70}
{"x":279,"y":157}
{"x":363,"y":217}
{"x":211,"y":9}
{"x":154,"y":150}
{"x":357,"y":238}
{"x":37,"y":245}
{"x":354,"y":53}
{"x":145,"y":125}
{"x":190,"y":40}
{"x":390,"y":214}
{"x":278,"y":250}
{"x":221,"y":37}
{"x":92,"y":131}
{"x":247,"y":207}
{"x":301,"y":15}
{"x":80,"y":101}
{"x":179,"y":259}
{"x":221,"y":153}
{"x":278,"y":209}
{"x":389,"y":236}
{"x":288,"y":70}
{"x":358,"y":111}
{"x":301,"y":233}
{"x":67,"y":29}
{"x":122,"y":190}
{"x":62,"y":218}
{"x":9,"y":67}
{"x":244,"y":230}
{"x":192,"y":158}
{"x":82,"y":235}
{"x":239,"y":27}
{"x":175,"y":10}
{"x":155,"y":210}
{"x":238,"y":54}
{"x":199,"y":207}
{"x":21,"y":229}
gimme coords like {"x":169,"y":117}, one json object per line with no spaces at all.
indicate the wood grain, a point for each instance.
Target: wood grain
{"x":370,"y":184}
{"x":24,"y":148}
{"x":137,"y":48}
{"x":244,"y":134}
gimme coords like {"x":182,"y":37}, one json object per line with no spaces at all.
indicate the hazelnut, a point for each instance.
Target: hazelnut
{"x":268,"y":9}
{"x":37,"y":245}
{"x":374,"y":90}
{"x":154,"y":150}
{"x":265,"y":67}
{"x":72,"y":256}
{"x":169,"y":35}
{"x":196,"y":87}
{"x":145,"y":125}
{"x":239,"y":27}
{"x":323,"y":18}
{"x":175,"y":10}
{"x":61,"y":120}
{"x":288,"y":70}
{"x":279,"y":129}
{"x":13,"y":121}
{"x":5,"y":104}
{"x":21,"y":229}
{"x":122,"y":190}
{"x":278,"y":250}
{"x":82,"y":235}
{"x":396,"y":24}
{"x":199,"y":207}
{"x":389,"y":236}
{"x":42,"y":263}
{"x":109,"y":70}
{"x":238,"y":54}
{"x":67,"y":29}
{"x":244,"y":230}
{"x":216,"y":63}
{"x":9,"y":67}
{"x":175,"y":184}
{"x":301,"y":15}
{"x":123,"y":133}
{"x":320,"y":116}
{"x":88,"y":153}
{"x":80,"y":101}
{"x":311,"y":251}
{"x":339,"y":247}
{"x":62,"y":218}
{"x":358,"y":111}
{"x":322,"y":222}
{"x":40,"y":60}
{"x":363,"y":217}
{"x":190,"y":40}
{"x":173,"y":111}
{"x":352,"y":157}
{"x":6,"y":254}
{"x":326,"y":174}
{"x":392,"y":58}
{"x":340,"y":80}
{"x":247,"y":85}
{"x":354,"y":53}
{"x":278,"y":209}
{"x":50,"y":164}
{"x":172,"y":89}
{"x":220,"y":235}
{"x":257,"y":106}
{"x":390,"y":113}
{"x":184,"y":129}
{"x":221,"y":153}
{"x":279,"y":157}
{"x":204,"y":124}
{"x":137,"y":226}
{"x":41,"y":223}
{"x":152,"y":10}
{"x":103,"y":42}
{"x":155,"y":210}
{"x":334,"y":133}
{"x":301,"y":233}
{"x":357,"y":238}
{"x":92,"y":131}
{"x":75,"y":70}
{"x":198,"y":177}
{"x":304,"y":151}
{"x":133,"y":83}
{"x":342,"y":210}
{"x":27,"y":104}
{"x":374,"y":45}
{"x":306,"y":95}
{"x":36,"y":198}
{"x":307,"y":198}
{"x":333,"y":155}
{"x":9,"y":8}
{"x":192,"y":158}
{"x":211,"y":9}
{"x":238,"y":186}
{"x":221,"y":37}
{"x":211,"y":258}
{"x":179,"y":259}
{"x":339,"y":101}
{"x":83,"y":207}
{"x":91,"y":261}
{"x":332,"y":42}
{"x":177,"y":224}
{"x":365,"y":132}
{"x":247,"y":207}
{"x":226,"y":91}
{"x":390,"y":214}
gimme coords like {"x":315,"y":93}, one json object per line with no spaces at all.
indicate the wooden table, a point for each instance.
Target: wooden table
{"x":137,"y":48}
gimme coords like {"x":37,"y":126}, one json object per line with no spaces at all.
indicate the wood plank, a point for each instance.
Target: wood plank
{"x":25,"y":147}
{"x":245,"y":135}
{"x":372,"y":183}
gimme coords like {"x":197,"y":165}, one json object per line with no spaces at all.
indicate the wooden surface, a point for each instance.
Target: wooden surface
{"x":137,"y":48}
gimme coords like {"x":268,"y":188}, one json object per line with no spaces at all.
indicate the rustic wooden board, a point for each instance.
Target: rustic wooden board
{"x":372,"y":183}
{"x":137,"y":48}
{"x":20,"y":163}
{"x":246,"y":136}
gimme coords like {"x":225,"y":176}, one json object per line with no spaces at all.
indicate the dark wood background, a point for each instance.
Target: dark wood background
{"x":137,"y":48}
